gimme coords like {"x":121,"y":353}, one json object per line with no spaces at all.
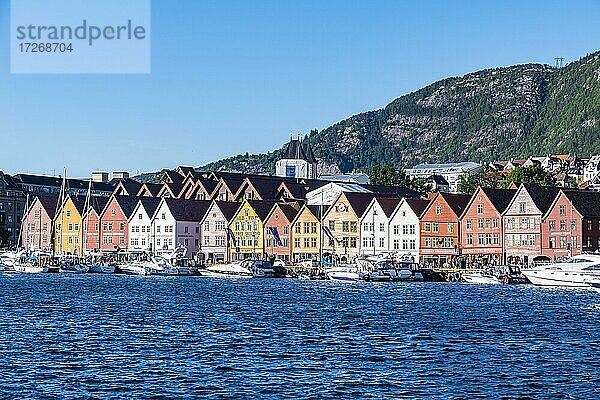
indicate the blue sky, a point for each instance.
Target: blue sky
{"x":231,"y":77}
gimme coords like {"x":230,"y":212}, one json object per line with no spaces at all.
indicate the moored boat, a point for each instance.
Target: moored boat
{"x":573,"y":272}
{"x":344,"y":273}
{"x":236,"y":269}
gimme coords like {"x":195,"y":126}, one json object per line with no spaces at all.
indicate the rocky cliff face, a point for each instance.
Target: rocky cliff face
{"x":482,"y":116}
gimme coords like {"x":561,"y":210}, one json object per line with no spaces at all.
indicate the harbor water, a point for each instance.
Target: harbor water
{"x":75,"y":336}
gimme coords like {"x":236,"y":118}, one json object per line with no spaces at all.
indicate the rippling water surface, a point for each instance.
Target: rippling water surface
{"x":131,"y":337}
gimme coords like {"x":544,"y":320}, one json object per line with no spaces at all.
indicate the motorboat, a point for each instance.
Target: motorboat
{"x":133,"y":268}
{"x":73,"y":265}
{"x":9,"y":259}
{"x":344,"y":273}
{"x":236,"y":269}
{"x":480,"y":277}
{"x":573,"y":272}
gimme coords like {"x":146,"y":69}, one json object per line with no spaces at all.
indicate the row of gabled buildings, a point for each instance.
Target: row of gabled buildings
{"x":493,"y":226}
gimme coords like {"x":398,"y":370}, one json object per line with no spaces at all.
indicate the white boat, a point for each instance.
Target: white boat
{"x":133,"y":268}
{"x":236,"y":269}
{"x":480,"y":277}
{"x":347,"y":273}
{"x":73,"y":265}
{"x":573,"y":272}
{"x":26,"y":268}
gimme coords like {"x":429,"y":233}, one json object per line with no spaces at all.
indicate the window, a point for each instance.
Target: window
{"x":381,"y":227}
{"x":412,"y":229}
{"x":563,"y":225}
{"x":186,"y":229}
{"x":522,"y":208}
{"x":207,"y":226}
{"x":68,"y":213}
{"x":297,"y":228}
{"x":589,"y":224}
{"x":122,"y":226}
{"x":158,"y":229}
{"x":352,"y":242}
{"x":563,"y":242}
{"x":306,"y":227}
{"x":413,"y":244}
{"x":297,"y":242}
{"x":306,"y":242}
{"x":285,"y":230}
{"x":313,"y":242}
{"x":332,"y":225}
{"x":122,"y":240}
{"x":197,"y":229}
{"x":479,"y":208}
{"x":110,"y":226}
{"x":552,"y":243}
{"x":552,"y":226}
{"x":450,"y":227}
{"x":488,"y":223}
{"x":469,"y":238}
{"x":563,"y":210}
{"x":573,"y":225}
{"x":140,"y":216}
{"x":405,"y":229}
{"x":427,"y":227}
{"x":479,"y":224}
{"x":163,"y":216}
{"x":404,"y":244}
{"x":469,"y":224}
{"x":381,"y":242}
{"x":345,"y":226}
{"x":438,"y":210}
{"x":396,"y":229}
{"x":436,"y":227}
{"x":428,"y":242}
{"x":70,"y":227}
{"x":313,"y":228}
{"x":396,"y":244}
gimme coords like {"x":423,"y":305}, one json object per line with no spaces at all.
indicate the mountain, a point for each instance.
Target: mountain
{"x":494,"y":114}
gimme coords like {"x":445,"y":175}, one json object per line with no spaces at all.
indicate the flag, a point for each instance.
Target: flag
{"x":329,"y":235}
{"x":231,"y":237}
{"x":273,"y":230}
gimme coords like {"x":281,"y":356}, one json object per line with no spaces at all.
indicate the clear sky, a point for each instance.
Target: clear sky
{"x":231,"y":77}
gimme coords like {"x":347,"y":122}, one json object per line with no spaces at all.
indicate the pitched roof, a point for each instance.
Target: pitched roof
{"x":97,"y":203}
{"x":586,"y":202}
{"x":170,"y":176}
{"x":437,"y":179}
{"x":317,"y":210}
{"x":500,"y":198}
{"x":228,"y":208}
{"x":49,"y":204}
{"x":78,"y":202}
{"x":388,"y":205}
{"x":127,"y":204}
{"x":417,"y":205}
{"x":153,"y":188}
{"x":188,"y":210}
{"x":262,"y":208}
{"x":297,"y":149}
{"x":131,"y":186}
{"x":542,"y":196}
{"x":56,"y":181}
{"x":289,"y":211}
{"x":150,"y":204}
{"x":457,"y":202}
{"x":360,"y":201}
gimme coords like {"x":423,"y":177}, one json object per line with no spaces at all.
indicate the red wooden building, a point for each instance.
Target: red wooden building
{"x":571,"y":225}
{"x":440,"y":228}
{"x":114,"y":234}
{"x":280,"y":219}
{"x":481,"y":226}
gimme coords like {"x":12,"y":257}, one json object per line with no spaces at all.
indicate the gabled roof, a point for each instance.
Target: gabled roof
{"x":78,"y":202}
{"x":267,"y":189}
{"x":317,"y":210}
{"x":456,"y":202}
{"x":97,"y":203}
{"x":288,"y":210}
{"x":262,"y":208}
{"x":417,"y":205}
{"x":388,"y":205}
{"x":184,"y":170}
{"x":542,"y":196}
{"x":130,"y":186}
{"x":49,"y":204}
{"x":360,"y":201}
{"x":438,"y":180}
{"x":170,"y":176}
{"x":150,"y":204}
{"x":126,"y":203}
{"x":297,"y":149}
{"x":56,"y":181}
{"x":500,"y":198}
{"x":152,"y":188}
{"x":228,"y":208}
{"x":187,"y":210}
{"x":586,"y":202}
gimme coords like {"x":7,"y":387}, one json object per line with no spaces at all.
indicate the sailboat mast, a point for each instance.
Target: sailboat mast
{"x":86,"y":210}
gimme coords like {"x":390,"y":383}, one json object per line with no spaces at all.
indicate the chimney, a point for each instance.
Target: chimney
{"x":120,"y":175}
{"x":100,"y":177}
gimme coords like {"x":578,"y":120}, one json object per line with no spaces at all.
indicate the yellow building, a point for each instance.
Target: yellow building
{"x":247,"y":227}
{"x":68,"y":227}
{"x":305,"y":240}
{"x":342,"y":219}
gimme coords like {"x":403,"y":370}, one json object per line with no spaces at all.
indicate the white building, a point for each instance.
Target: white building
{"x":176,"y":223}
{"x":214,"y":225}
{"x":327,"y":194}
{"x":140,"y":224}
{"x":375,"y":223}
{"x":298,"y":161}
{"x":591,"y":168}
{"x":451,"y":172}
{"x":404,"y":227}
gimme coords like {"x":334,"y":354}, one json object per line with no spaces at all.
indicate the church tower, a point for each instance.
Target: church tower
{"x":298,"y":160}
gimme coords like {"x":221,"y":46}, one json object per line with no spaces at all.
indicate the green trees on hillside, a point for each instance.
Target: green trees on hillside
{"x":531,"y":174}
